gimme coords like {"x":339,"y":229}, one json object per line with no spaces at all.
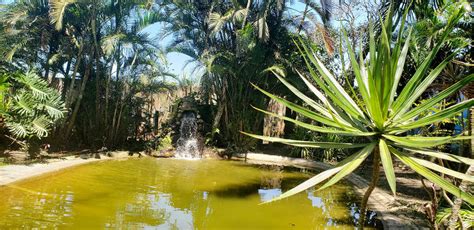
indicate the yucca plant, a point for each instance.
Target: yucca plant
{"x":378,"y":112}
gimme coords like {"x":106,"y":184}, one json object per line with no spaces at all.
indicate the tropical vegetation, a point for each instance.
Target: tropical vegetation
{"x":29,"y":106}
{"x":352,"y":83}
{"x":378,"y":111}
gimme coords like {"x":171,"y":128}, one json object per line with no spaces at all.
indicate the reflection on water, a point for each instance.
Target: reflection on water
{"x":268,"y":194}
{"x":161,"y":206}
{"x":172,"y":194}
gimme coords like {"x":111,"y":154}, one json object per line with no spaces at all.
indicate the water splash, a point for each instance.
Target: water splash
{"x":188,"y":143}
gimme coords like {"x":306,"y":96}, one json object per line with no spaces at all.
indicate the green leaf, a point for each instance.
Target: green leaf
{"x":307,"y":184}
{"x":413,"y":83}
{"x":399,"y":68}
{"x":54,"y":112}
{"x":363,"y":87}
{"x":334,"y":90}
{"x":40,"y":126}
{"x":434,"y":100}
{"x":306,"y":99}
{"x":308,"y":144}
{"x":386,"y":159}
{"x":350,"y":165}
{"x":277,"y":70}
{"x":422,"y":142}
{"x":305,"y":112}
{"x":444,"y":156}
{"x":332,"y":110}
{"x":24,"y":104}
{"x":439,"y":116}
{"x":444,"y":184}
{"x":39,"y":87}
{"x":17,"y":129}
{"x":58,"y":7}
{"x":385,"y":81}
{"x":316,"y":128}
{"x":438,"y":168}
{"x":411,"y":98}
{"x":324,"y":175}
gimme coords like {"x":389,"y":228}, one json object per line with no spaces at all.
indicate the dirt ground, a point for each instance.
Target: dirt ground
{"x":412,"y":198}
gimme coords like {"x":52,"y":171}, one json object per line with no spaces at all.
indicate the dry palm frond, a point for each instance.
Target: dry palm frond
{"x":58,"y":7}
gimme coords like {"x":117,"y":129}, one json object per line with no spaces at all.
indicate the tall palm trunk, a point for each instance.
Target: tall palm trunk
{"x":107,"y":92}
{"x":114,"y":120}
{"x":97,"y":69}
{"x":122,"y":104}
{"x":69,"y":93}
{"x":71,"y":121}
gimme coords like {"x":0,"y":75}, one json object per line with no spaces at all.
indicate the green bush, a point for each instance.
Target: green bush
{"x":29,"y":106}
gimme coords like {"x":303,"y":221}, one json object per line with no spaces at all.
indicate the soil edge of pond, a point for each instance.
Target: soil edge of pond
{"x":12,"y":173}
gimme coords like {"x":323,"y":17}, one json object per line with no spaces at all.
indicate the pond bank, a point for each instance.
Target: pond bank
{"x":15,"y":172}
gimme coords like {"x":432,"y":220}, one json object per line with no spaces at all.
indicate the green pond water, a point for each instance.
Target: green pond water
{"x":172,"y":194}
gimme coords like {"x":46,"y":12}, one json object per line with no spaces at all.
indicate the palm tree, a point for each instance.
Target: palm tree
{"x":380,"y":116}
{"x":233,"y":42}
{"x":119,"y":52}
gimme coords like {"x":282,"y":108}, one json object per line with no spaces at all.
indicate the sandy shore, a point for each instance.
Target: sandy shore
{"x":14,"y":173}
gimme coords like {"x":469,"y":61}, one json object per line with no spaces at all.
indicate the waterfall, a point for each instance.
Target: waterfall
{"x":187,"y":145}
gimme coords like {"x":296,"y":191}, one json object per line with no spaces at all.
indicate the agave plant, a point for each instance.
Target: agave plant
{"x":378,"y":112}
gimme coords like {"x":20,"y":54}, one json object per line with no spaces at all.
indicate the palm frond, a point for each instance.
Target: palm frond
{"x":58,"y":8}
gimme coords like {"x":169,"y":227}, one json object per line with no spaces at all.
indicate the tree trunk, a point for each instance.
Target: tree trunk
{"x":66,"y":73}
{"x":97,"y":71}
{"x":112,"y":128}
{"x":69,"y":93}
{"x":78,"y":103}
{"x":118,"y":122}
{"x":300,"y":27}
{"x":249,"y":3}
{"x":373,"y":183}
{"x":274,"y":126}
{"x":53,"y":46}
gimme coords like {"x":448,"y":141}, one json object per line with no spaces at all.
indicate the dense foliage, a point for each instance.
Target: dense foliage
{"x":96,"y":56}
{"x":29,"y":107}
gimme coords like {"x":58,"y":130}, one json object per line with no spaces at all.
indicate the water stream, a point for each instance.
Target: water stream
{"x":187,"y":145}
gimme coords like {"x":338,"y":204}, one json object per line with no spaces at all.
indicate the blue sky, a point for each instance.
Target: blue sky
{"x":176,"y":61}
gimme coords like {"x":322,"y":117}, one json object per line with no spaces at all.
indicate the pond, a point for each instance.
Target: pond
{"x":150,"y":193}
